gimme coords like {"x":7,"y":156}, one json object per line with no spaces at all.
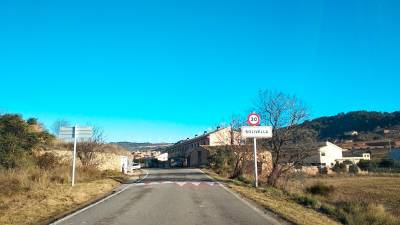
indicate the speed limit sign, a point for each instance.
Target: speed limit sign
{"x":253,"y":119}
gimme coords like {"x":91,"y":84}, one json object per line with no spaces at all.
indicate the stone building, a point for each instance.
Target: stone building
{"x":190,"y":152}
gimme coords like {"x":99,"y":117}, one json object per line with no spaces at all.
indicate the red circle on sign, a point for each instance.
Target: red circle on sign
{"x":254,"y":119}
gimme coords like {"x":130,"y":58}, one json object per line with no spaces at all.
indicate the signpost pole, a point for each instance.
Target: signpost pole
{"x":255,"y":131}
{"x":255,"y":164}
{"x":74,"y":155}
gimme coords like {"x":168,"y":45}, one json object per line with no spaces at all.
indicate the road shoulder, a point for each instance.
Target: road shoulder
{"x":122,"y":186}
{"x":274,"y":203}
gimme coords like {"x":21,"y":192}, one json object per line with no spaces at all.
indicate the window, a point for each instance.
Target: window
{"x":322,"y":153}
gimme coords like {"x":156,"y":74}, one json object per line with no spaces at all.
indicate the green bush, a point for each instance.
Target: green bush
{"x":353,"y":169}
{"x":347,"y":162}
{"x":339,"y":168}
{"x":32,"y":121}
{"x":320,"y":189}
{"x":223,"y":162}
{"x":17,"y":141}
{"x":308,"y":201}
{"x":386,"y":163}
{"x":367,"y":165}
{"x":328,"y":210}
{"x":243,"y":179}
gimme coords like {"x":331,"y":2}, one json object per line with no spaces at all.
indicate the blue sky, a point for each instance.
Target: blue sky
{"x":166,"y":70}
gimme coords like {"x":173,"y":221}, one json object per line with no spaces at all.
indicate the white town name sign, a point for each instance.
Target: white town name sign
{"x":257,"y":132}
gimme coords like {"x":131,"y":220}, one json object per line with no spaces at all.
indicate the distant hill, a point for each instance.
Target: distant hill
{"x":365,"y":122}
{"x":135,"y":146}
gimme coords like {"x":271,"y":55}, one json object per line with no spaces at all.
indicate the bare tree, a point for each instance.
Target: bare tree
{"x":241,"y":152}
{"x":235,"y":154}
{"x":58,"y":124}
{"x":289,"y":144}
{"x":88,"y":149}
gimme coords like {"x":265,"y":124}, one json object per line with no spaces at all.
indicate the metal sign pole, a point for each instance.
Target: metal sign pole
{"x":74,"y":156}
{"x":255,"y":164}
{"x":255,"y":131}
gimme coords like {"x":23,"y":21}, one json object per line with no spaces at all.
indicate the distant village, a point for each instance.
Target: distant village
{"x":195,"y":152}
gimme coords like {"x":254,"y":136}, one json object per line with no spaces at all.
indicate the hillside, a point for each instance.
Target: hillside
{"x":369,"y":124}
{"x":135,"y":146}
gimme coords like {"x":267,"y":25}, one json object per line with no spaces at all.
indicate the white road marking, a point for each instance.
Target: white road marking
{"x":154,"y":183}
{"x":211,"y":183}
{"x":181,"y":183}
{"x":177,"y":183}
{"x":270,"y":219}
{"x":196,"y":183}
{"x":102,"y":200}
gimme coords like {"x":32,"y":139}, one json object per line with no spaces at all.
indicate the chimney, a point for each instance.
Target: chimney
{"x":205,"y":132}
{"x":218,"y":127}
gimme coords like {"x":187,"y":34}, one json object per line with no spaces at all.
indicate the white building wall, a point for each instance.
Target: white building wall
{"x":221,"y":137}
{"x":163,"y":157}
{"x":329,"y":154}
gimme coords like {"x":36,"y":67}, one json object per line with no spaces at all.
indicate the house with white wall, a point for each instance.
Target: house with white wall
{"x":326,"y":154}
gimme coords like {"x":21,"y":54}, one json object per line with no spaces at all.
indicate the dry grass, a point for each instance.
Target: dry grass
{"x":365,"y":190}
{"x":32,"y":196}
{"x":279,"y":203}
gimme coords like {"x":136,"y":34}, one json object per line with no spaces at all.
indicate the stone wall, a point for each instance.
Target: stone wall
{"x":102,"y":160}
{"x":264,"y":164}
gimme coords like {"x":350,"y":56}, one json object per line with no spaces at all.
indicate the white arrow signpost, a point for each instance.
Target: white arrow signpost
{"x":73,"y":132}
{"x":255,"y":131}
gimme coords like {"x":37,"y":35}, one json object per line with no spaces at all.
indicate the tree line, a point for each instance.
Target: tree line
{"x":362,"y":121}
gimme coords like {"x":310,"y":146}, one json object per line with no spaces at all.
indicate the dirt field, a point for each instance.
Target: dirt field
{"x":382,"y":190}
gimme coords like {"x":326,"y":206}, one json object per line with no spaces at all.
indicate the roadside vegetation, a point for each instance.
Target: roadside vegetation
{"x":376,"y":195}
{"x":32,"y":196}
{"x":36,"y":187}
{"x":345,"y":199}
{"x":277,"y":201}
{"x":380,"y":166}
{"x":358,"y":194}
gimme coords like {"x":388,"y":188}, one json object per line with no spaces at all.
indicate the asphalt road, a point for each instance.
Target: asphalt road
{"x":171,"y":197}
